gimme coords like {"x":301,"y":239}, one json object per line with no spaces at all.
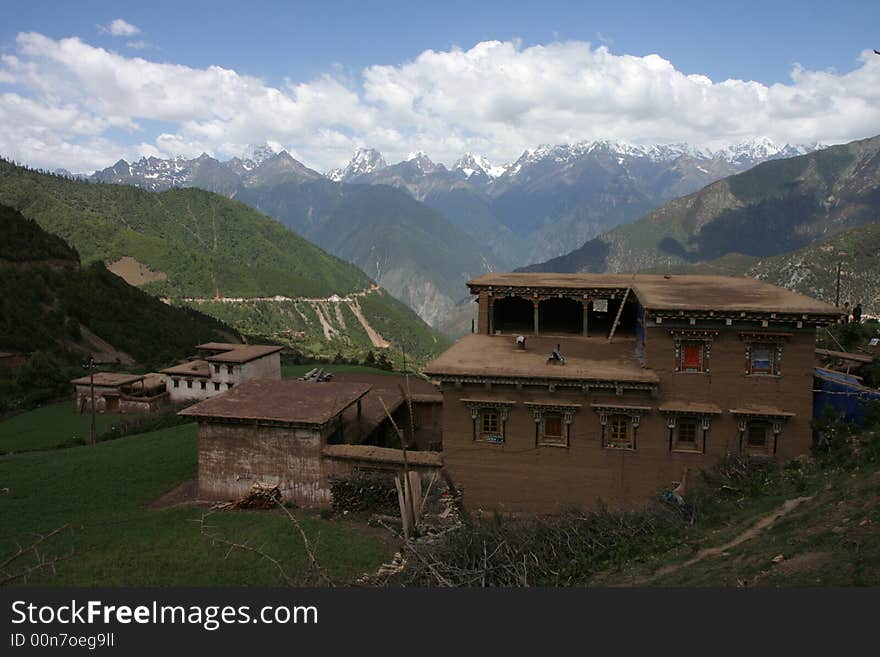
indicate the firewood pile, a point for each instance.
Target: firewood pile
{"x":364,"y":491}
{"x":317,"y":375}
{"x":260,"y":496}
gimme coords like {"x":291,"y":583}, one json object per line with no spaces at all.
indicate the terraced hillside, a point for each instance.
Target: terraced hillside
{"x":185,"y":244}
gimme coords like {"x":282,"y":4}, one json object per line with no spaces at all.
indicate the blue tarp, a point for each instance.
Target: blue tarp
{"x":842,"y":392}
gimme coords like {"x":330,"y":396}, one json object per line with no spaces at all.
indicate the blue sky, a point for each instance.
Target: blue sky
{"x":368,"y":58}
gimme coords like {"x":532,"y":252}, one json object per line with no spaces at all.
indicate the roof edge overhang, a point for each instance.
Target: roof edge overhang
{"x":581,"y":383}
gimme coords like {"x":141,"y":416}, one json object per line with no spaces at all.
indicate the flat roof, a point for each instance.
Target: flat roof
{"x":420,"y":390}
{"x":112,"y":379}
{"x":219,"y":346}
{"x":383,"y":455}
{"x":244,"y":353}
{"x":674,"y":292}
{"x":586,"y":359}
{"x":200,"y":368}
{"x":287,"y":400}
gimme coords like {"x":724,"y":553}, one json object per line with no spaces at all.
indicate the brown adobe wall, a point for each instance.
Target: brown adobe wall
{"x":518,"y":476}
{"x":232,"y":457}
{"x":728,"y":385}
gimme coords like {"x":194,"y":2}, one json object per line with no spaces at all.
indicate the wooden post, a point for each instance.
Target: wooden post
{"x":586,"y":330}
{"x":537,"y":315}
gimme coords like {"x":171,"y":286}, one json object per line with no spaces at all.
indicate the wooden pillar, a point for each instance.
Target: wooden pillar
{"x":483,"y":314}
{"x":491,"y":319}
{"x":586,"y":330}
{"x":537,"y":318}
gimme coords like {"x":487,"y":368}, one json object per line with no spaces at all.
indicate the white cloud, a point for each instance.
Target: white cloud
{"x":120,"y":27}
{"x":496,"y":98}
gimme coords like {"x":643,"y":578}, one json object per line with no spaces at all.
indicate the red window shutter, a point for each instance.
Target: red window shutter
{"x":692,"y":353}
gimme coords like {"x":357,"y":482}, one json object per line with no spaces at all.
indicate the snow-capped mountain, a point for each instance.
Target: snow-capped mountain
{"x":364,"y":161}
{"x":262,"y":166}
{"x":470,"y":164}
{"x":531,"y":209}
{"x":763,"y":148}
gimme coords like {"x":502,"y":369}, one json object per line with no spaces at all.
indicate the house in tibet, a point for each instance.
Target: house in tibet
{"x":578,"y":388}
{"x":219,"y":367}
{"x":118,"y":392}
{"x":297,"y":434}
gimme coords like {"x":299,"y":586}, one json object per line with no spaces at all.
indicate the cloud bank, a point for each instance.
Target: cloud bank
{"x":66,"y":103}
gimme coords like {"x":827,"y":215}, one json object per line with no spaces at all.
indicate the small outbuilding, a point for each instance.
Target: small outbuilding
{"x":120,"y":392}
{"x":285,"y":432}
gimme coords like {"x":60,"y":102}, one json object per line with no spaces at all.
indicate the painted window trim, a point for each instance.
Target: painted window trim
{"x":539,"y":413}
{"x":682,"y":337}
{"x":774,"y":425}
{"x":774,"y":341}
{"x":477,"y":408}
{"x":635,"y":418}
{"x":703,"y":422}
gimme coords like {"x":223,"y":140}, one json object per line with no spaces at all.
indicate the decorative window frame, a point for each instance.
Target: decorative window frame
{"x":774,"y":341}
{"x":704,"y":422}
{"x":541,"y":410}
{"x":634,"y":413}
{"x":775,"y":423}
{"x":478,"y":406}
{"x":681,"y":337}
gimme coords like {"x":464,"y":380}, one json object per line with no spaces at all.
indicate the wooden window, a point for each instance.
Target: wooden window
{"x":229,"y":386}
{"x":176,"y":383}
{"x":189,"y":383}
{"x":230,"y":369}
{"x":216,"y":369}
{"x":204,"y":385}
{"x":756,"y":434}
{"x":692,"y":357}
{"x":758,"y":437}
{"x":763,"y":358}
{"x":619,"y":432}
{"x":490,"y":426}
{"x":688,"y":434}
{"x":554,"y":431}
{"x":216,"y":386}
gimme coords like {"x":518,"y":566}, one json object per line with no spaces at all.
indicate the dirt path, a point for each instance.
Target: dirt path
{"x":750,"y":533}
{"x":373,"y":334}
{"x":329,"y":331}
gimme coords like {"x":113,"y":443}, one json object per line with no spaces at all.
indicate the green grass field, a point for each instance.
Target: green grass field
{"x":50,"y":426}
{"x":103,"y":493}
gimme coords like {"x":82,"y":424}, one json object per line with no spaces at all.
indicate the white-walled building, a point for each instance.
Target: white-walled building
{"x":219,"y":367}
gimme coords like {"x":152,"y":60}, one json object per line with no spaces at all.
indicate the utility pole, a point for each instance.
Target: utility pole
{"x":837,"y":295}
{"x":91,"y":365}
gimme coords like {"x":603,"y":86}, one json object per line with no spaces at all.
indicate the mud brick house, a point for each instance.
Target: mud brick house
{"x":220,"y":366}
{"x":652,"y":376}
{"x":299,"y":433}
{"x":118,"y":392}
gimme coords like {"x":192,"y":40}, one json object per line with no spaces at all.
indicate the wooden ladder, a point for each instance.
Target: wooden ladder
{"x":619,"y":313}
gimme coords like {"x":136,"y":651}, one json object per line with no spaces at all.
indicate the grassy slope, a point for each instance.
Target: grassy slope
{"x":51,"y":426}
{"x":102,"y":492}
{"x":43,"y":305}
{"x":830,"y":539}
{"x":204,"y":242}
